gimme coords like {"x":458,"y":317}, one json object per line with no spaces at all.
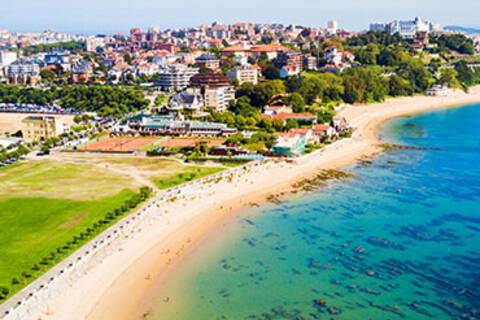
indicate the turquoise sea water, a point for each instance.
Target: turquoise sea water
{"x":399,"y":241}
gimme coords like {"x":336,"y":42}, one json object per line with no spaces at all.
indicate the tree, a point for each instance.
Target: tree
{"x":296,"y":102}
{"x":291,"y":124}
{"x":417,"y":74}
{"x":397,"y":86}
{"x":312,"y":88}
{"x":271,"y":72}
{"x":375,"y":84}
{"x":161,"y":100}
{"x":355,"y":88}
{"x":448,"y":77}
{"x":465,"y":74}
{"x":368,"y":55}
{"x":262,"y":93}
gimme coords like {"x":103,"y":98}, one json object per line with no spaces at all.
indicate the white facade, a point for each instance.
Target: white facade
{"x":219,"y":97}
{"x":407,"y":29}
{"x":7,"y":58}
{"x":186,"y":100}
{"x":332,"y":27}
{"x":243,"y":74}
{"x":176,"y":77}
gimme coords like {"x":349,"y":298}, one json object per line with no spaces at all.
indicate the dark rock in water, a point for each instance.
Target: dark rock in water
{"x":390,"y":309}
{"x":333,"y":310}
{"x":248,"y":221}
{"x":320,"y":302}
{"x":384,"y":243}
{"x":296,"y":272}
{"x":417,"y":308}
{"x":370,"y":291}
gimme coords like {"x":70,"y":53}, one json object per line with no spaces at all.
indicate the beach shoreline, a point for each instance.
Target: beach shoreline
{"x":368,"y":128}
{"x":119,"y":285}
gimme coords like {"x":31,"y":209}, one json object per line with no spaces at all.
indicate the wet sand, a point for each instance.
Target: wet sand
{"x":118,"y":287}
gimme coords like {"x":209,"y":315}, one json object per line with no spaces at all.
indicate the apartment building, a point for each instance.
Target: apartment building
{"x":218,"y":97}
{"x":209,"y":61}
{"x":38,"y":128}
{"x":175,"y":77}
{"x":215,"y":88}
{"x":23,"y":72}
{"x":243,"y":74}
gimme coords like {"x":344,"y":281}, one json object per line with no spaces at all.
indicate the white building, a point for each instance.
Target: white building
{"x":407,"y":29}
{"x":175,"y":77}
{"x":25,"y":72}
{"x":289,"y":71}
{"x":7,"y":57}
{"x":332,"y":27}
{"x":186,"y":100}
{"x":438,"y":91}
{"x":218,"y":97}
{"x":243,"y":74}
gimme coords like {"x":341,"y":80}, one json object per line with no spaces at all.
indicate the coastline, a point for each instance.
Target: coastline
{"x":128,"y":274}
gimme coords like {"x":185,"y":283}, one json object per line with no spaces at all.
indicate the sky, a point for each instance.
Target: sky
{"x":110,"y":16}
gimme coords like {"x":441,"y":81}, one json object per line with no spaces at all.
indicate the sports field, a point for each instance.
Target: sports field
{"x":119,"y":144}
{"x":43,"y":206}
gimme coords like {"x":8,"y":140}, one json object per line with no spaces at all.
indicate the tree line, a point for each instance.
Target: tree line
{"x":106,"y":100}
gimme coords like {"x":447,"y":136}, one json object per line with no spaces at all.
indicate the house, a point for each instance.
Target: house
{"x":338,"y":60}
{"x":289,"y":71}
{"x":271,"y":51}
{"x":82,"y":71}
{"x":290,"y":145}
{"x":341,"y":125}
{"x":186,"y":100}
{"x":322,"y":131}
{"x":306,"y":133}
{"x":438,"y":91}
{"x":290,"y":59}
{"x":218,"y":98}
{"x":276,"y":107}
{"x":62,"y":60}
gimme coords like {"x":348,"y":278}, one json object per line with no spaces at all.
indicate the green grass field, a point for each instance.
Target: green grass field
{"x":166,"y":173}
{"x":47,"y":207}
{"x":189,"y":174}
{"x":43,"y":206}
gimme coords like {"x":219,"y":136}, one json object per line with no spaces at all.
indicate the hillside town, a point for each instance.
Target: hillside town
{"x":255,"y":90}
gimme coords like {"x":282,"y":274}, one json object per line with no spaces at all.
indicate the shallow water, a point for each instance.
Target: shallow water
{"x":399,"y":241}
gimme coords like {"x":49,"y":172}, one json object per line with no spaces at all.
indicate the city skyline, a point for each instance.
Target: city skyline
{"x":89,"y":17}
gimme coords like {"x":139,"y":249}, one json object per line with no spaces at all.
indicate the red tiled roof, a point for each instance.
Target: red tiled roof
{"x":237,"y":48}
{"x":301,"y":131}
{"x":321,"y":127}
{"x":286,"y":116}
{"x":268,"y":48}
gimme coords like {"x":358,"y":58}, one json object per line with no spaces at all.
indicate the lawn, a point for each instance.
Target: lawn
{"x":188,"y":174}
{"x":48,"y":207}
{"x":165,"y":173}
{"x":54,"y":179}
{"x":44,"y":205}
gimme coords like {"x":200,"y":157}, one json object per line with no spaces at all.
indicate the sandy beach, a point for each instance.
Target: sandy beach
{"x":116,"y":286}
